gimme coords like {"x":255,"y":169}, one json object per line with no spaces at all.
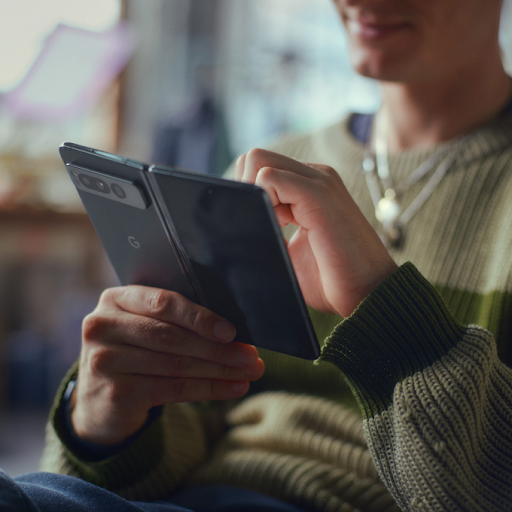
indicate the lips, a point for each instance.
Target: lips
{"x":374,"y":29}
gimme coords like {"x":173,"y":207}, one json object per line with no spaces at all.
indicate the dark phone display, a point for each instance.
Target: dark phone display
{"x":232,"y":245}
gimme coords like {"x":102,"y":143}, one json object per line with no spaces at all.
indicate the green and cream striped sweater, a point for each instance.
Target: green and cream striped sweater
{"x":407,"y":407}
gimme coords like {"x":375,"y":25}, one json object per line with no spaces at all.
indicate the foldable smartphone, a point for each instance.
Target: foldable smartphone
{"x":215,"y":241}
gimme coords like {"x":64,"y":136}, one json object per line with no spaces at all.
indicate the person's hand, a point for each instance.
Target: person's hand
{"x":143,"y":347}
{"x":337,"y":256}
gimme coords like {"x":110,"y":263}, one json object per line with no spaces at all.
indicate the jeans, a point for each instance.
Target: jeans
{"x":48,"y":492}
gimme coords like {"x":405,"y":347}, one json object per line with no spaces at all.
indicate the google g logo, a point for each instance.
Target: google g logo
{"x":133,"y":242}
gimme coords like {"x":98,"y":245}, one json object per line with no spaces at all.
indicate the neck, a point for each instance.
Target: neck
{"x":424,"y":114}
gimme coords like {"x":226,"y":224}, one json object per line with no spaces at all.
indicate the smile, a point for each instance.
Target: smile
{"x":369,"y":29}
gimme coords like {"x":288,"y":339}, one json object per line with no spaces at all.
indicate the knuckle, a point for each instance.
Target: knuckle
{"x":108,"y":296}
{"x":171,"y":337}
{"x":326,"y":171}
{"x":255,"y":154}
{"x":267,"y":173}
{"x":330,"y":171}
{"x":161,"y":335}
{"x":333,"y":174}
{"x":180,"y":365}
{"x":158,"y":301}
{"x":152,"y":329}
{"x":101,"y":360}
{"x":330,"y":179}
{"x":93,"y":326}
{"x":196,"y":318}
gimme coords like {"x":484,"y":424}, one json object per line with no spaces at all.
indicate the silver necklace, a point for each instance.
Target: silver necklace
{"x":385,"y":196}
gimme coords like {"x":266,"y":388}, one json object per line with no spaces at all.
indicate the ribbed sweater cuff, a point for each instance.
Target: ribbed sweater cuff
{"x":402,"y":327}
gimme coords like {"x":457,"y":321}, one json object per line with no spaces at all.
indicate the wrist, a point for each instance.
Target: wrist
{"x":104,"y":427}
{"x":86,"y":450}
{"x":376,"y":276}
{"x":106,"y":435}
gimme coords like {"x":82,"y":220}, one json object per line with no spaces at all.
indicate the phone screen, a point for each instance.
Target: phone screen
{"x":234,"y":247}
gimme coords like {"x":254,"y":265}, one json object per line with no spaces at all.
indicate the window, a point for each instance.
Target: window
{"x":24,"y":24}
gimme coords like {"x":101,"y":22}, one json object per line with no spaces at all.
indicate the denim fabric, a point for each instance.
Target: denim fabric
{"x":222,"y":498}
{"x":48,"y":492}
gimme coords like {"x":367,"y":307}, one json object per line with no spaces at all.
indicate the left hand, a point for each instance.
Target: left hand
{"x":337,"y":256}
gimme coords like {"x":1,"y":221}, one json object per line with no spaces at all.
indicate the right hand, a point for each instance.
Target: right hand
{"x":143,"y":347}
{"x":336,"y":254}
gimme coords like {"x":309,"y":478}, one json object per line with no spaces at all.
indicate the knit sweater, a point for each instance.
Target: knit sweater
{"x":410,"y":403}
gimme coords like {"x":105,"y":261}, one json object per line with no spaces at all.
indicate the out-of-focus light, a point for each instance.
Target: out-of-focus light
{"x":71,"y":71}
{"x":24,"y":24}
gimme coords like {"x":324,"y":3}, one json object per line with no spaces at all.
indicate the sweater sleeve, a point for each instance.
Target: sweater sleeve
{"x":156,"y":463}
{"x":436,"y":400}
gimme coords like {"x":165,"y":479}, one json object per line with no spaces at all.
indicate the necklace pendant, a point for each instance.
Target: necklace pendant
{"x":387,"y":211}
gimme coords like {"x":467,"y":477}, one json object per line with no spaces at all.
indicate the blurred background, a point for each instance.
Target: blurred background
{"x":192,"y":83}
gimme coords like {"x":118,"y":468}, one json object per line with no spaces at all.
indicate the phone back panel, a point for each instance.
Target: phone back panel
{"x":134,"y":238}
{"x":235,"y":248}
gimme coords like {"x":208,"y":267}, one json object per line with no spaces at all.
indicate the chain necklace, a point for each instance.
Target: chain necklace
{"x":388,"y":211}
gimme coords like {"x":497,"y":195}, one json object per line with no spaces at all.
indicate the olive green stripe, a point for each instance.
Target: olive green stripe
{"x":401,"y":328}
{"x":488,"y":310}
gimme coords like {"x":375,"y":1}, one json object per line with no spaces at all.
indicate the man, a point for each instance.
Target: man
{"x":430,"y":174}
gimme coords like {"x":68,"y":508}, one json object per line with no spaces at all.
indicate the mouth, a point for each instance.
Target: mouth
{"x":373,"y":29}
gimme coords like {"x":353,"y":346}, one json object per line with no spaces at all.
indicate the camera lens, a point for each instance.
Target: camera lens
{"x":100,"y":186}
{"x":85,"y":180}
{"x":118,"y":191}
{"x":94,"y":183}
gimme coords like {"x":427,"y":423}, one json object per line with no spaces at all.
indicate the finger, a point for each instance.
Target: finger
{"x":136,"y":361}
{"x":258,"y":158}
{"x":170,"y":307}
{"x":163,"y":390}
{"x":119,"y":328}
{"x":284,"y":214}
{"x":288,"y":190}
{"x":319,"y":167}
{"x":239,"y":168}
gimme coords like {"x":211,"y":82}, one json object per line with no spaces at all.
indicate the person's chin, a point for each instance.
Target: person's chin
{"x":380,"y":66}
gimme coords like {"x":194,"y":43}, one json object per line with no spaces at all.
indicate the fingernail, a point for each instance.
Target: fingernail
{"x":224,"y":331}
